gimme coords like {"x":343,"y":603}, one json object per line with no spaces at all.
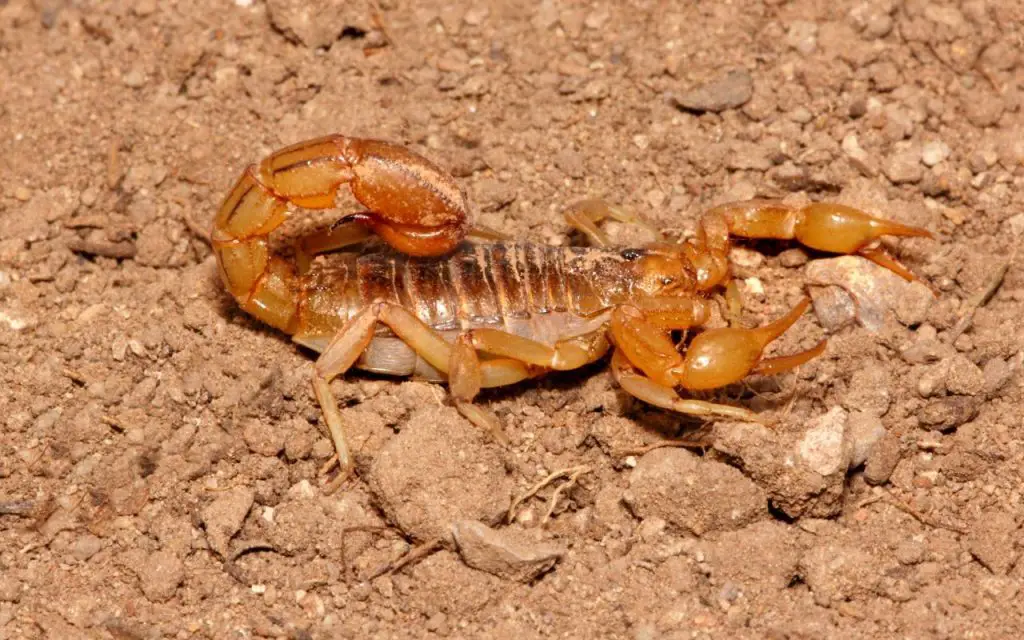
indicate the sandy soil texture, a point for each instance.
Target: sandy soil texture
{"x":159,"y":465}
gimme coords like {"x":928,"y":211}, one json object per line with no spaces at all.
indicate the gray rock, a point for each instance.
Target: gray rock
{"x":730,"y":91}
{"x":875,"y":289}
{"x":834,"y":307}
{"x":505,"y":553}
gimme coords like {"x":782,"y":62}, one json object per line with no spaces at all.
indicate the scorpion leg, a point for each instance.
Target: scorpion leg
{"x":337,"y":358}
{"x":585,"y":214}
{"x":823,"y":226}
{"x":466,"y":373}
{"x":568,"y":354}
{"x":464,"y":380}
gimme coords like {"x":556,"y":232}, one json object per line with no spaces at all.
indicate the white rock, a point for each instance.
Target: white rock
{"x":824,"y":447}
{"x":934,"y":152}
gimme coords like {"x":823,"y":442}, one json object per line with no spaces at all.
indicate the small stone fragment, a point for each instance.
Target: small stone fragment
{"x":1016,"y":224}
{"x":983,"y":108}
{"x":298,"y":439}
{"x":963,"y":377}
{"x":160,"y":575}
{"x":85,"y":547}
{"x":693,"y":494}
{"x":134,"y":79}
{"x":943,"y":414}
{"x":794,"y":488}
{"x":802,"y":36}
{"x":869,"y":390}
{"x":727,"y":92}
{"x":475,"y":16}
{"x":10,"y":587}
{"x":882,"y":460}
{"x":224,"y":517}
{"x":859,"y":158}
{"x":792,"y":258}
{"x":910,"y":552}
{"x":834,"y":307}
{"x":878,"y":26}
{"x":996,"y":373}
{"x":885,"y":75}
{"x":992,"y":541}
{"x":934,"y":152}
{"x":505,"y":553}
{"x":904,"y":167}
{"x":824,"y":446}
{"x":863,"y":431}
{"x":571,"y":163}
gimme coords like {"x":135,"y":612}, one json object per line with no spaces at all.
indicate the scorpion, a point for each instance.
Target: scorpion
{"x":492,"y":312}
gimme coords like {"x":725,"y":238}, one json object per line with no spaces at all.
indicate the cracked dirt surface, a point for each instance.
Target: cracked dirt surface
{"x":161,"y":449}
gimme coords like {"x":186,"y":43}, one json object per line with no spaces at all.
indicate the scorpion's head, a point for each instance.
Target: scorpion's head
{"x":663,"y":270}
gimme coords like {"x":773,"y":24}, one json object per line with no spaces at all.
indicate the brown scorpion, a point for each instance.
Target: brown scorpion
{"x":493,"y":313}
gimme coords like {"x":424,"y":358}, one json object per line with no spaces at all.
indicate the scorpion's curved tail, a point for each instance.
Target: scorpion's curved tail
{"x":411,"y":204}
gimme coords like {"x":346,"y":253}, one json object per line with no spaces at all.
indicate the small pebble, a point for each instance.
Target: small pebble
{"x":802,"y":36}
{"x":934,"y":152}
{"x":996,"y":373}
{"x":475,"y":16}
{"x":964,"y":377}
{"x":882,"y":460}
{"x":863,"y":431}
{"x":904,"y":167}
{"x":10,"y":588}
{"x":792,"y":258}
{"x":726,"y":92}
{"x":506,"y":553}
{"x":886,"y":76}
{"x":86,"y":547}
{"x":859,"y":158}
{"x":134,"y":79}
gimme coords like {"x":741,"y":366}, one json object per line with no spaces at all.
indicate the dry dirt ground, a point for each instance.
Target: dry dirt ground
{"x":159,"y":467}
